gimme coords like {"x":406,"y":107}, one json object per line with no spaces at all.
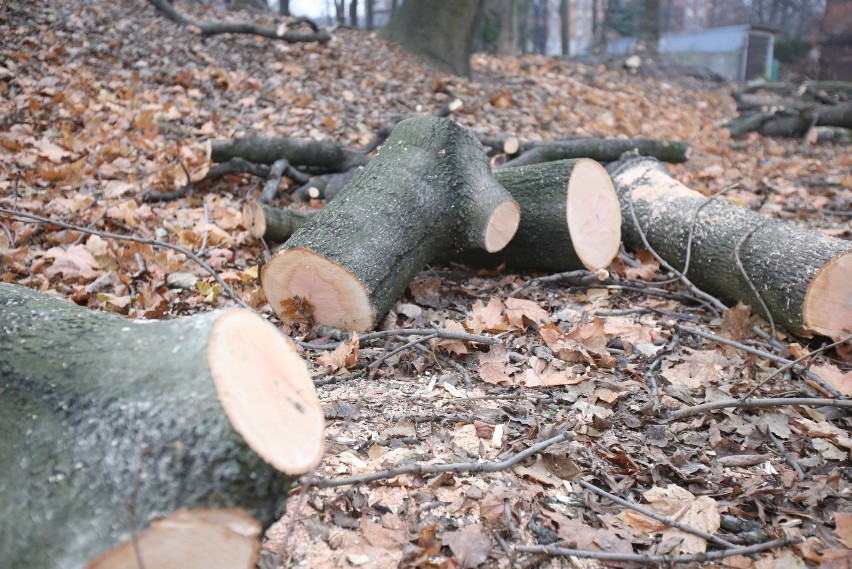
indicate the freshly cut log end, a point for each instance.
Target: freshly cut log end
{"x":570,"y":218}
{"x":190,"y":539}
{"x":502,"y":226}
{"x":827,"y":307}
{"x":511,"y":145}
{"x":304,"y":286}
{"x":265,"y":391}
{"x":593,"y":215}
{"x":253,"y":219}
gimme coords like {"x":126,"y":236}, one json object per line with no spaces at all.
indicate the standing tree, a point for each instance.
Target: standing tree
{"x":441,"y":32}
{"x":353,"y":13}
{"x":650,"y":31}
{"x":284,"y":7}
{"x":565,"y":26}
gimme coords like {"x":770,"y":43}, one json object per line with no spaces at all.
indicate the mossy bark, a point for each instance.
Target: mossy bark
{"x":601,"y":149}
{"x":108,"y":423}
{"x":324,"y":156}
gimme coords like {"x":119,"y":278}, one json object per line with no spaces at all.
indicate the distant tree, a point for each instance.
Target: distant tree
{"x":439,"y":31}
{"x":565,"y":26}
{"x":369,"y":13}
{"x":284,"y":7}
{"x":353,"y":13}
{"x":650,"y":31}
{"x":340,"y":12}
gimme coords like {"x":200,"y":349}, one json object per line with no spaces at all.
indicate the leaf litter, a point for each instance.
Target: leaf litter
{"x":113,"y":102}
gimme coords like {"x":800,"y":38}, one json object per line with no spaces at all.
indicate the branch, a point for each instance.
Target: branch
{"x":439,"y":332}
{"x":658,"y":559}
{"x":216,"y":28}
{"x":438,"y":468}
{"x":757,"y":403}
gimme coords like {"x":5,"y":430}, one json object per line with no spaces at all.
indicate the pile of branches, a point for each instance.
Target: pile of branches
{"x":814,"y":110}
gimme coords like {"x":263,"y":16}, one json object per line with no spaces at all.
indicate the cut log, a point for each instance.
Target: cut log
{"x":570,"y":218}
{"x":274,"y":224}
{"x":325,"y":187}
{"x":325,"y":156}
{"x":602,"y":150}
{"x":108,"y":423}
{"x":190,"y":539}
{"x":429,"y":191}
{"x":803,"y":276}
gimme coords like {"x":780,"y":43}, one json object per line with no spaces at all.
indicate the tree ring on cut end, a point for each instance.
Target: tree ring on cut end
{"x":303,"y":285}
{"x":827,"y":308}
{"x":593,"y":215}
{"x":266,"y":391}
{"x":502,"y":226}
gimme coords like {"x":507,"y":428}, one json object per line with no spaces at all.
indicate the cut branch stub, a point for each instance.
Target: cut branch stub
{"x":98,"y":412}
{"x":430,"y":191}
{"x":803,"y":276}
{"x":570,"y":218}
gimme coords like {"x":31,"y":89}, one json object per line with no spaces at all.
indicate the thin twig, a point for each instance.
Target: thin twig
{"x":769,"y":356}
{"x":438,"y":468}
{"x":439,"y":332}
{"x":655,"y":516}
{"x":791,"y":460}
{"x":152,"y":242}
{"x":659,"y":559}
{"x":712,"y":300}
{"x":756,"y":403}
{"x":781,"y":370}
{"x":747,"y":278}
{"x":374,"y":366}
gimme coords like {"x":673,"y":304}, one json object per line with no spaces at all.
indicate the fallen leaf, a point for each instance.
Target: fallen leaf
{"x":343,"y":356}
{"x":74,"y":263}
{"x":470,"y":545}
{"x":487,"y":317}
{"x":833,"y":376}
{"x":518,"y":311}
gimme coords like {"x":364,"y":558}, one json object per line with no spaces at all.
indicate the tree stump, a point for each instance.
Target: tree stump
{"x":803,"y":276}
{"x":108,"y":423}
{"x":429,"y":192}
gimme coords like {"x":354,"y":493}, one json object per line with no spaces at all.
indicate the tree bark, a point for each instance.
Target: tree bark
{"x":353,"y":13}
{"x":803,"y":276}
{"x":284,"y":7}
{"x":274,"y":224}
{"x":440,"y":32}
{"x":369,"y":10}
{"x":429,"y":191}
{"x":565,"y":27}
{"x":98,"y":412}
{"x":570,"y":218}
{"x":602,"y":150}
{"x":325,"y":156}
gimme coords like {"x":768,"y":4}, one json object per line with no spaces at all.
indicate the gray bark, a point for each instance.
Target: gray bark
{"x":98,"y":411}
{"x":602,"y":150}
{"x":780,"y":259}
{"x":326,"y":156}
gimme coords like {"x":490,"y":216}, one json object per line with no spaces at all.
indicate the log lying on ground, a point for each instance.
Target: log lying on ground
{"x":274,"y":224}
{"x":429,"y":191}
{"x":215,"y":28}
{"x":602,"y":150}
{"x":803,"y":276}
{"x":98,"y":412}
{"x":570,"y":218}
{"x":786,"y":118}
{"x":321,"y":155}
{"x":325,"y":187}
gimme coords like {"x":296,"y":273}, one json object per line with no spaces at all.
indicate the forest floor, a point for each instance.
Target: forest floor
{"x":101,"y":102}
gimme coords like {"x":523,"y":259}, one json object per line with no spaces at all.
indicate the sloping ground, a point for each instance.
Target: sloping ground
{"x":102,"y":102}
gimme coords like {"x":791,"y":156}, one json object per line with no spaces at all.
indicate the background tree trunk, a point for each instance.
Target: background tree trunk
{"x":650,"y":31}
{"x":284,"y":7}
{"x":98,"y":411}
{"x":565,"y":26}
{"x":439,"y":31}
{"x":353,"y":13}
{"x":369,"y":11}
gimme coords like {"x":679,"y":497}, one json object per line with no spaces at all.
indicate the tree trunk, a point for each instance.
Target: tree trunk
{"x":340,"y":11}
{"x":803,"y":276}
{"x":369,"y":10}
{"x":353,"y":13}
{"x":284,"y":7}
{"x":98,"y":412}
{"x":570,"y":218}
{"x":650,"y":31}
{"x":600,"y":149}
{"x":441,"y":32}
{"x":274,"y":224}
{"x":429,"y":191}
{"x":565,"y":27}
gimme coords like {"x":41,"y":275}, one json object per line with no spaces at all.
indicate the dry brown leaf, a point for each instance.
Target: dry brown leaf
{"x":450,"y":345}
{"x":494,"y":365}
{"x":542,"y":373}
{"x":343,"y":356}
{"x":487,"y":317}
{"x":470,"y":545}
{"x":518,"y":311}
{"x":647,"y":269}
{"x":76,"y":263}
{"x":697,"y":369}
{"x":380,"y":536}
{"x":834,"y":377}
{"x":737,"y":322}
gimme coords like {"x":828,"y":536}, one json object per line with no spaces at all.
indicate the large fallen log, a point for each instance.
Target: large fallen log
{"x":429,"y":191}
{"x":802,"y":276}
{"x":600,"y":149}
{"x":108,"y":423}
{"x":570,"y":218}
